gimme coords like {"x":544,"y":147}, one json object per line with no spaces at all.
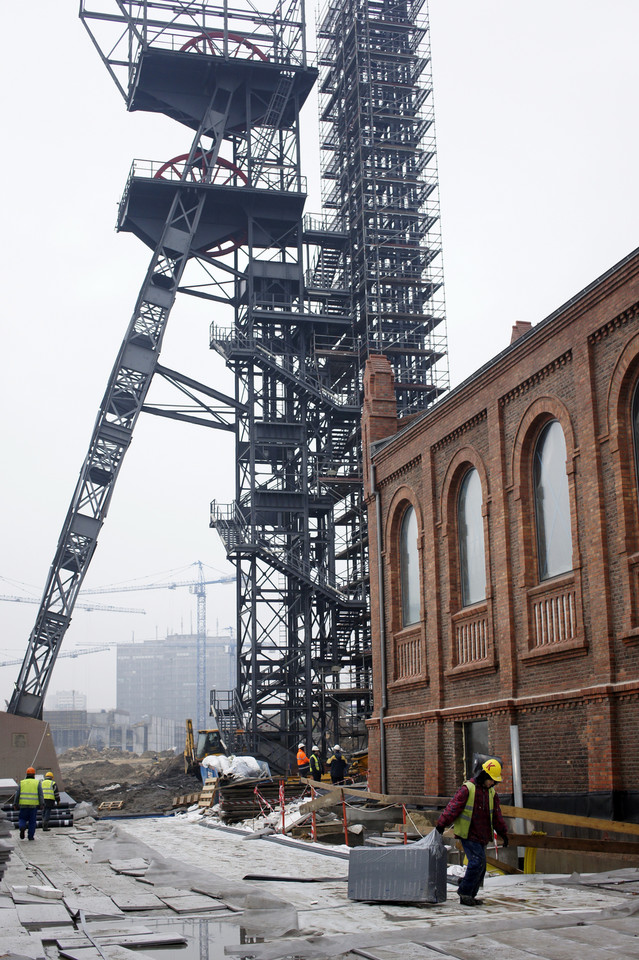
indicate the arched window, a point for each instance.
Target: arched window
{"x":409,"y":568}
{"x":635,"y":431}
{"x":552,"y":503}
{"x":470,"y":525}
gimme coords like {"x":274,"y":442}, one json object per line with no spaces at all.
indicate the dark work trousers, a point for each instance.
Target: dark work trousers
{"x":474,"y":876}
{"x":46,"y":813}
{"x":27,"y":818}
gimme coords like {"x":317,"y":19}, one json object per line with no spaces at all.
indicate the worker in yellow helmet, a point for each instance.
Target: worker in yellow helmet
{"x":27,"y":799}
{"x":474,"y":813}
{"x":51,"y":796}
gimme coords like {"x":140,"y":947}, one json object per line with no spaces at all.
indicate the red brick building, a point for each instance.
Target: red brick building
{"x":504,"y":557}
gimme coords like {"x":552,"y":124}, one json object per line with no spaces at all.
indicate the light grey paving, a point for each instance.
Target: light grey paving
{"x":193,"y":903}
{"x":472,"y":948}
{"x":605,"y":938}
{"x":139,"y":901}
{"x":549,"y":945}
{"x":114,"y":953}
{"x":95,"y":906}
{"x":39,"y":915}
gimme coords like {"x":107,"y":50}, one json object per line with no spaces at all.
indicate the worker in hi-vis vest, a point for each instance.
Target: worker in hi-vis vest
{"x":303,"y":762}
{"x":51,"y":796}
{"x":27,"y":799}
{"x":475,"y":814}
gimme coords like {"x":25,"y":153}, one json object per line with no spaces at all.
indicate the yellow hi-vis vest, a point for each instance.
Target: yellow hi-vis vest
{"x":461,"y":826}
{"x":29,"y":793}
{"x":48,"y":791}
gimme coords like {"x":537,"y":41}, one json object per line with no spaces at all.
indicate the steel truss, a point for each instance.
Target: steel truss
{"x":303,"y":301}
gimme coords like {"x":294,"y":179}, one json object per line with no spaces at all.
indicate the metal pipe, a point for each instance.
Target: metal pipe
{"x":518,"y":796}
{"x":382,"y":628}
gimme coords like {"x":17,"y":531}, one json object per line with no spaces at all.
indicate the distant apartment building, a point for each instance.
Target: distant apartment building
{"x":68,"y":700}
{"x":158,"y":677}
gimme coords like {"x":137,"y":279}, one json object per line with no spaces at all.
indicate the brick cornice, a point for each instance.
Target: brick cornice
{"x":536,"y":378}
{"x":460,"y":430}
{"x":554,"y":700}
{"x":631,"y":314}
{"x":401,"y":472}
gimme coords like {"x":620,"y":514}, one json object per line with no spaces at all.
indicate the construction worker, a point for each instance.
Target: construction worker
{"x":475,"y":812}
{"x":27,"y":799}
{"x":303,"y":762}
{"x":51,"y":796}
{"x":338,"y":765}
{"x":317,"y":765}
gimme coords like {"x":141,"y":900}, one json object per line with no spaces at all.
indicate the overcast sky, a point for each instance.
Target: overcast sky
{"x":537,"y":143}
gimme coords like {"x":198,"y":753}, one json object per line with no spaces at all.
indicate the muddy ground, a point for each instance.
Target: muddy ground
{"x":145,"y":785}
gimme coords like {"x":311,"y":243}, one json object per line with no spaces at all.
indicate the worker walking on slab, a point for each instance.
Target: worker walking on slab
{"x":338,"y":765}
{"x":303,"y":762}
{"x":317,"y":764}
{"x":51,"y":796}
{"x":475,"y":814}
{"x":27,"y":799}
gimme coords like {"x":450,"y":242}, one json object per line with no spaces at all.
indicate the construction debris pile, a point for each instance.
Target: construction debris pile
{"x":137,"y":785}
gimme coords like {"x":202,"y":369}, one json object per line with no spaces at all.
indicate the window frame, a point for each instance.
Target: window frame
{"x":464,"y":554}
{"x":468,"y":630}
{"x":406,"y":650}
{"x":549,"y":622}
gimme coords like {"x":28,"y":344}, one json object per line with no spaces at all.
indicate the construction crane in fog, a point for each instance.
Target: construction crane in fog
{"x":197,"y":587}
{"x":70,"y":653}
{"x":81,"y":606}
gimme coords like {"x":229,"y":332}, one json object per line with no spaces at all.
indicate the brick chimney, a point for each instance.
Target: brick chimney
{"x":519,"y":329}
{"x":379,"y":412}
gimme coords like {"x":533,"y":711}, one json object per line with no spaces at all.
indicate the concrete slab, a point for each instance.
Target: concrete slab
{"x":96,"y":907}
{"x":141,"y":901}
{"x":471,"y":949}
{"x":111,"y":953}
{"x":37,"y":916}
{"x":550,"y":945}
{"x":604,"y":938}
{"x":193,"y":903}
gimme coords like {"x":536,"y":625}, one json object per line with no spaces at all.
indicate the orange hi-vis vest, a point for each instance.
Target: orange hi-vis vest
{"x":302,"y":759}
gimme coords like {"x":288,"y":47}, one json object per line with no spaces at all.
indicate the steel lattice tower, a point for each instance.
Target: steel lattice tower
{"x":299,"y":303}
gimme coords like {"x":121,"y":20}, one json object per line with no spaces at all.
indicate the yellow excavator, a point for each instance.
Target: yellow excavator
{"x":209,"y":743}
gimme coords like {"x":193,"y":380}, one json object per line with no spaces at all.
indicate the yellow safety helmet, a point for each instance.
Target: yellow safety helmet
{"x":493,"y":768}
{"x":49,"y":774}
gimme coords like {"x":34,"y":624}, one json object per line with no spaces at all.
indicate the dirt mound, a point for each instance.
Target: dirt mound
{"x":145,"y":785}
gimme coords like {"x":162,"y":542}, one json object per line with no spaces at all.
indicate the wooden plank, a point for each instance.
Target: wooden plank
{"x":574,"y":843}
{"x":570,"y":820}
{"x":386,"y":798}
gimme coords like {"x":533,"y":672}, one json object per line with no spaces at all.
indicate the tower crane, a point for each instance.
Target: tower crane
{"x":197,"y":587}
{"x":90,"y":607}
{"x":67,"y":653}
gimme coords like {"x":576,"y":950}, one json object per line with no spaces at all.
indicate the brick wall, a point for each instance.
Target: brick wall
{"x":560,"y":657}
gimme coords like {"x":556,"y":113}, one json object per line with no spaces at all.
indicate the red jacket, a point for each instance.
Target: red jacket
{"x":480,"y":821}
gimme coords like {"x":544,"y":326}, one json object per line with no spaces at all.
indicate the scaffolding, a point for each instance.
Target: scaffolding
{"x":299,"y":302}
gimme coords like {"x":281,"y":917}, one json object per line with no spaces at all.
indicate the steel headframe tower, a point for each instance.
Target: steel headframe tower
{"x":307,"y":299}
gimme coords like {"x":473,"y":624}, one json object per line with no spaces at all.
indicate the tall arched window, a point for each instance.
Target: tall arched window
{"x":409,"y":568}
{"x":470,"y":525}
{"x":635,"y":431}
{"x":552,"y":503}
